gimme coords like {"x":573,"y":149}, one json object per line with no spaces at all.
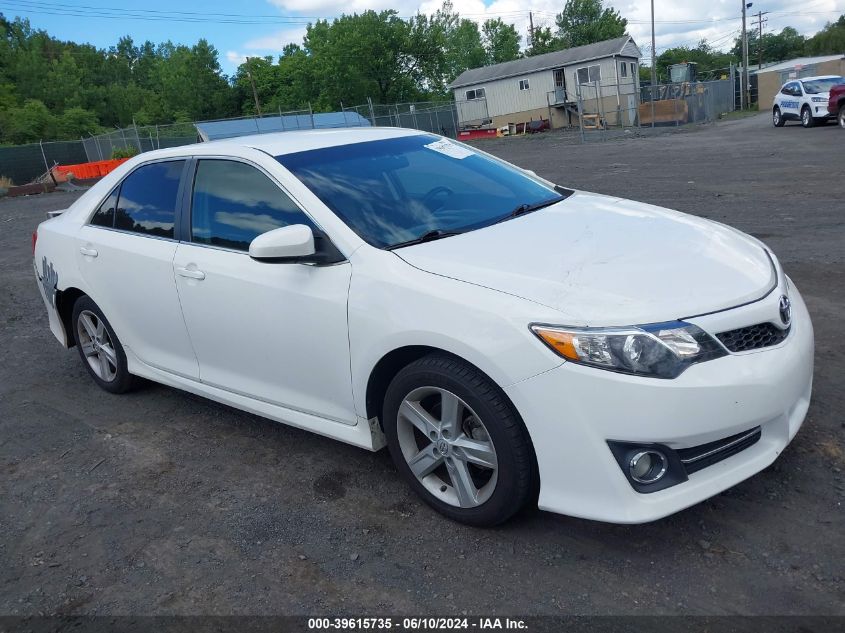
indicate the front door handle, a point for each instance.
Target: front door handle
{"x":191,"y":274}
{"x":89,"y":252}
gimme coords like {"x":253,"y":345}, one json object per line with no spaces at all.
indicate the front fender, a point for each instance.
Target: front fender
{"x":394,"y":305}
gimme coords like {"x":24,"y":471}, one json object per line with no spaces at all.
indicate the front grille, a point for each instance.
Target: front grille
{"x":752,"y":337}
{"x":704,"y":455}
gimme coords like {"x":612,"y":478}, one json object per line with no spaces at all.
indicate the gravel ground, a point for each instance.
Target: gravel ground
{"x":159,"y":502}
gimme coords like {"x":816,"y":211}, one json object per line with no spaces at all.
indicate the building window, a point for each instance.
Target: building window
{"x":478,"y":93}
{"x":523,"y":84}
{"x":633,"y":69}
{"x":589,"y":74}
{"x":624,"y":69}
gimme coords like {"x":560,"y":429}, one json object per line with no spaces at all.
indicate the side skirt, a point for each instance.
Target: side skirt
{"x":364,"y":434}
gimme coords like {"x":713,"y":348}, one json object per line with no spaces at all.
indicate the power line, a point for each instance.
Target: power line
{"x":89,"y":11}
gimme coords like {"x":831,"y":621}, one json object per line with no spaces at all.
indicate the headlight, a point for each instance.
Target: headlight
{"x":659,"y":350}
{"x":819,"y":100}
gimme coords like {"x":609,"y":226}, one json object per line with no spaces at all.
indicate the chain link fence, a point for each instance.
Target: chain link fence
{"x":438,"y":117}
{"x":26,"y":163}
{"x":140,"y":139}
{"x":605,"y":106}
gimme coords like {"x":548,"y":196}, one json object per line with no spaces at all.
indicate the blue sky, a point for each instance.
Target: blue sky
{"x":273,"y":23}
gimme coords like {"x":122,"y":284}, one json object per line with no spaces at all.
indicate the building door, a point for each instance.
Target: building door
{"x":560,"y":87}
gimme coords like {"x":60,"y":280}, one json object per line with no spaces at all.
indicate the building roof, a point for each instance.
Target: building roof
{"x":214,"y":130}
{"x":536,"y":63}
{"x":800,"y":61}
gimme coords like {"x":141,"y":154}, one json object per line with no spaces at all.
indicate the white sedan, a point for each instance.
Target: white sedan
{"x":805,"y":100}
{"x":511,"y":341}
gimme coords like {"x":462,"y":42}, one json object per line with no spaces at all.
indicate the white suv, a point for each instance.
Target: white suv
{"x":804,"y":100}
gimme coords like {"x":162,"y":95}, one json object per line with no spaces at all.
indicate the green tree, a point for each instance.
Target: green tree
{"x":28,"y":123}
{"x":501,"y":41}
{"x":463,"y":48}
{"x":544,"y":41}
{"x":709,"y":62}
{"x":777,"y":47}
{"x":830,"y":40}
{"x":76,"y":122}
{"x":587,"y":21}
{"x":372,"y":53}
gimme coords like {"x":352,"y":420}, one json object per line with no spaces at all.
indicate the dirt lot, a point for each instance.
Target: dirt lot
{"x":163,"y":503}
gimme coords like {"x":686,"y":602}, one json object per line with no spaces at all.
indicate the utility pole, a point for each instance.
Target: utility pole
{"x":654,"y":64}
{"x":531,"y":31}
{"x":252,"y":82}
{"x":760,"y":21}
{"x":744,"y":97}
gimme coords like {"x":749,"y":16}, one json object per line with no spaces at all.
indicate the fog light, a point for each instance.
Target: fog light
{"x":646,"y":467}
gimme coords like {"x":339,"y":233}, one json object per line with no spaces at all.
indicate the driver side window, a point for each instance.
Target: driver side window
{"x":233,"y":203}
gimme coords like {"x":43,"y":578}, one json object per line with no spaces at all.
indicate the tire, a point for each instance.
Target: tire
{"x":476,"y":466}
{"x":777,"y":118}
{"x":807,"y":119}
{"x":840,"y":118}
{"x":99,"y":348}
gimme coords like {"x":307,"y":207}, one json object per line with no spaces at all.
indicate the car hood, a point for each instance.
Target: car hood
{"x":607,"y":261}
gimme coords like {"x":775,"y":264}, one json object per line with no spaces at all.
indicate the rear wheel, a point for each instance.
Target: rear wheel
{"x":457,"y":440}
{"x":840,"y":118}
{"x":807,"y":119}
{"x":777,"y":118}
{"x":100,"y":350}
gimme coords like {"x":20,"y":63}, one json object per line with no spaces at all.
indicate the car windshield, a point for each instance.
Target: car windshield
{"x":399,"y":190}
{"x":815,"y":86}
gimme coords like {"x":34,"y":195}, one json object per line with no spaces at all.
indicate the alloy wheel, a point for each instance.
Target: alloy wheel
{"x":447,"y":447}
{"x":97,"y":346}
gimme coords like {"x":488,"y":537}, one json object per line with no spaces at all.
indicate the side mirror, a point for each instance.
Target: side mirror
{"x":294,"y":243}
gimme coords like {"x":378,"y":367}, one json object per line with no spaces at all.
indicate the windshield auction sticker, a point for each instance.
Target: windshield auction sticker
{"x":450,"y":149}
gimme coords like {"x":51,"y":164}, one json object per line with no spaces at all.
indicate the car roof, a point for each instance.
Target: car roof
{"x":819,"y":77}
{"x":279,"y":143}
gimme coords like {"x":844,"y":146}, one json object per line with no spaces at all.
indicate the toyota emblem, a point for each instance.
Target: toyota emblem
{"x":785,"y":309}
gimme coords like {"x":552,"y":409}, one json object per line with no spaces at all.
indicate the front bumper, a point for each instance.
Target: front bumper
{"x":572,"y":411}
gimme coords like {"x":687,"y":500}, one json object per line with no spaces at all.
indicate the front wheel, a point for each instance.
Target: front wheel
{"x":777,"y":118}
{"x":840,"y":118}
{"x":100,"y":350}
{"x":457,"y":440}
{"x":807,"y":119}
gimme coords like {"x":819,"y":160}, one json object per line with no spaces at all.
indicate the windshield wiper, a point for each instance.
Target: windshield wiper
{"x":428,"y":236}
{"x":528,"y":208}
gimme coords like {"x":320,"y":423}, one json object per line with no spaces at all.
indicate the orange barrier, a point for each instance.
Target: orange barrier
{"x":87,"y":171}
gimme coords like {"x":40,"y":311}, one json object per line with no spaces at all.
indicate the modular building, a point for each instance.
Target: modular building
{"x":602,"y":77}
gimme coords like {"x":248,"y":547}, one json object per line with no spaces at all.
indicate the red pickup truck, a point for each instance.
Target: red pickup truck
{"x":836,"y":104}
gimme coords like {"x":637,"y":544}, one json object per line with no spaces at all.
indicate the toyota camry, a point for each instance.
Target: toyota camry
{"x":509,"y":340}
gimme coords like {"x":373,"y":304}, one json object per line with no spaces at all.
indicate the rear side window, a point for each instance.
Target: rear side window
{"x":105,"y":214}
{"x":233,"y":203}
{"x":147,"y":200}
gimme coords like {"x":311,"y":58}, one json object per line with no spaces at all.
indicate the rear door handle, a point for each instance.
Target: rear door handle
{"x":191,"y":274}
{"x":89,"y":252}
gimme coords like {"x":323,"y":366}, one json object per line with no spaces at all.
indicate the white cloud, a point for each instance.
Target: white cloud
{"x":275,"y":42}
{"x":235,"y":57}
